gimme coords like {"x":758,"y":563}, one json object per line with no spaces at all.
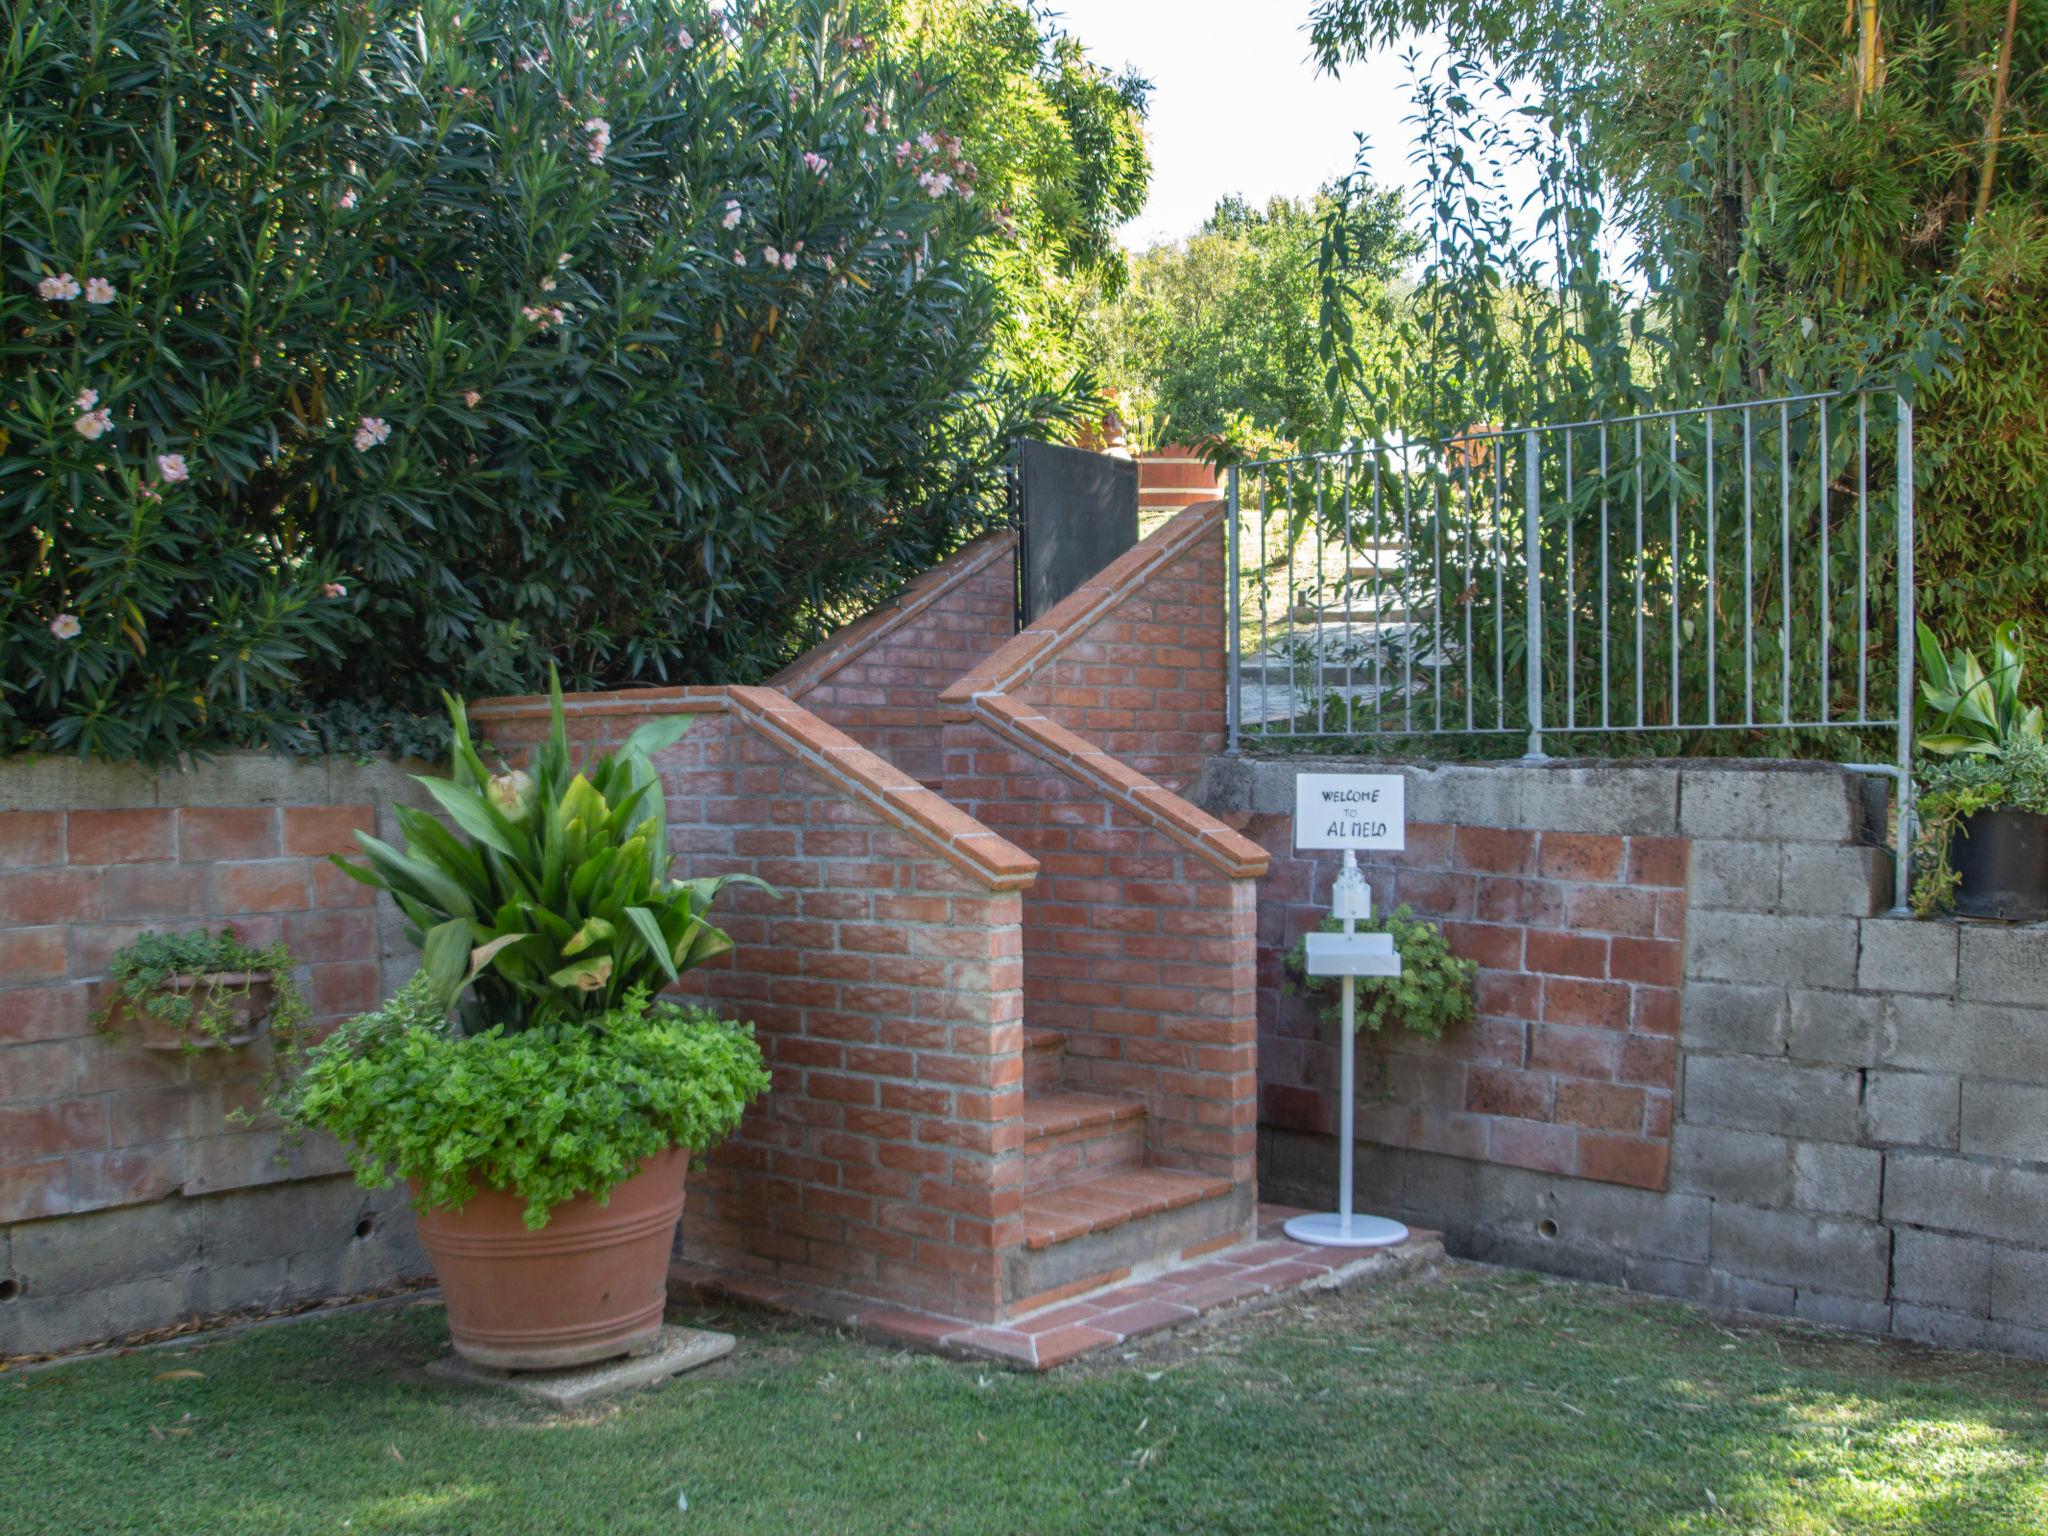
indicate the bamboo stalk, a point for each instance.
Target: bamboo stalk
{"x":1995,"y":119}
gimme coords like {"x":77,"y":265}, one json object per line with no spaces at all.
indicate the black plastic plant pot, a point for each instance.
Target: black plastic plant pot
{"x":2001,"y":859}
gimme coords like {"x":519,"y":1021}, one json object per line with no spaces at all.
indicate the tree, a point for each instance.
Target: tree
{"x":1217,"y":335}
{"x":1815,"y":199}
{"x":1058,"y":149}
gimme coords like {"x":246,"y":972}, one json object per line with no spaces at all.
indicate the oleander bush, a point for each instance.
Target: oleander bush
{"x":351,"y":350}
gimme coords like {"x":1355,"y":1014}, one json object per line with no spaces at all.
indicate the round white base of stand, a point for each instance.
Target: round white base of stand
{"x":1329,"y":1230}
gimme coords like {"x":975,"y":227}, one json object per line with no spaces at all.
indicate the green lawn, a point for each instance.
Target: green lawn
{"x":1475,"y":1402}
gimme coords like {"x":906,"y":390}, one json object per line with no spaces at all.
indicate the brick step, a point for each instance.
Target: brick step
{"x":1097,"y":1230}
{"x":1103,"y":1203}
{"x":1070,"y":1136}
{"x":1045,"y":1052}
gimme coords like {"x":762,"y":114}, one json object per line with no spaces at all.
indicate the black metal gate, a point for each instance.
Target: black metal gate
{"x":1076,"y":511}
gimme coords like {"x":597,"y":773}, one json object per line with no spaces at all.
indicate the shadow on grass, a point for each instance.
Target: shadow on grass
{"x":1483,"y":1402}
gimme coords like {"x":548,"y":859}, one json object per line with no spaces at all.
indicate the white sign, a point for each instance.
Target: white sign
{"x":1350,"y":810}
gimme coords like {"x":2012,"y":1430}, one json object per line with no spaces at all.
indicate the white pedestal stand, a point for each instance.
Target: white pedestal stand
{"x":1349,"y":955}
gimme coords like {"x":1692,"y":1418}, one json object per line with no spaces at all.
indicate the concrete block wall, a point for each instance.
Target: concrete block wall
{"x":1858,"y":1129}
{"x":127,"y":1196}
{"x":884,"y":982}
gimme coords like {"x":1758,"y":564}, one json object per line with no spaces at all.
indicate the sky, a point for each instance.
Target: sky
{"x":1237,"y":105}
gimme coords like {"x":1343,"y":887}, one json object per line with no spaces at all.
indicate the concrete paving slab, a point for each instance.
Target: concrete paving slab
{"x":669,"y":1353}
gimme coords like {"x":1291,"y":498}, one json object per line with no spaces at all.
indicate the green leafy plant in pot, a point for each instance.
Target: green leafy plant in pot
{"x":539,"y":1097}
{"x":202,"y":991}
{"x":1982,"y":843}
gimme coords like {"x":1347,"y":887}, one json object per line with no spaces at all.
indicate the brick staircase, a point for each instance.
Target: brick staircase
{"x":1093,"y":1207}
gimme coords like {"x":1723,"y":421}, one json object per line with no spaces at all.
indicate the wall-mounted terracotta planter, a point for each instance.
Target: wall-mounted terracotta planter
{"x":588,"y":1286}
{"x":247,"y":995}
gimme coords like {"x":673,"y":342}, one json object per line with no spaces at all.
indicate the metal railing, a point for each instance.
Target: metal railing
{"x":1742,"y":567}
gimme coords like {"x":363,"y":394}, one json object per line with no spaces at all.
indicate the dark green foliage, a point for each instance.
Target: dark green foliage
{"x":550,"y":1113}
{"x":140,"y":968}
{"x":1433,"y":991}
{"x":463,"y":321}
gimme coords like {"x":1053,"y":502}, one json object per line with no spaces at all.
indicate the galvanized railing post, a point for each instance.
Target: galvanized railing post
{"x":1234,"y":701}
{"x":1902,"y":869}
{"x":1532,"y":513}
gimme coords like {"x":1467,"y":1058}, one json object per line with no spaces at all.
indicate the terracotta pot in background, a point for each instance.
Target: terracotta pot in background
{"x":588,"y":1286}
{"x":250,"y":996}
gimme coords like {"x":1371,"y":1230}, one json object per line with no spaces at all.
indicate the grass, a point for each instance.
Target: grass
{"x":1477,"y":1402}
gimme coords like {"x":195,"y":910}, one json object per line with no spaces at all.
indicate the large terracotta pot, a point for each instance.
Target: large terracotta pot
{"x":588,"y":1286}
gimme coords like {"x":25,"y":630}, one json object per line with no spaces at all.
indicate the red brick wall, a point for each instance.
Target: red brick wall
{"x":884,"y":981}
{"x":1136,"y":948}
{"x":1135,"y":660}
{"x":879,"y":678}
{"x":90,"y":1120}
{"x":1570,"y":1063}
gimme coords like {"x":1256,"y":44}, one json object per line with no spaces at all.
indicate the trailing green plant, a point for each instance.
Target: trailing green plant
{"x":354,"y":350}
{"x":567,"y":1108}
{"x":143,"y":969}
{"x":551,"y":900}
{"x":1433,"y":991}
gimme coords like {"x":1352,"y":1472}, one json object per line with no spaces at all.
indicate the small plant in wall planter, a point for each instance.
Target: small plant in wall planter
{"x":1433,"y":991}
{"x":203,"y":991}
{"x":1982,"y":843}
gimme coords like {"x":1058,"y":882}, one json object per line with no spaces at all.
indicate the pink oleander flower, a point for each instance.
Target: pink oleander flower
{"x":544,"y":316}
{"x":739,"y":258}
{"x":66,"y":626}
{"x":816,"y":163}
{"x":470,"y":398}
{"x":562,"y":260}
{"x":87,"y":399}
{"x":347,"y":200}
{"x":771,"y":256}
{"x":600,"y":133}
{"x":371,"y":431}
{"x":935,"y":183}
{"x":684,"y":40}
{"x":334,"y":589}
{"x":59,"y":289}
{"x":547,"y":285}
{"x":789,"y":261}
{"x":93,"y":425}
{"x":98,"y":291}
{"x":172,"y":467}
{"x":733,"y":214}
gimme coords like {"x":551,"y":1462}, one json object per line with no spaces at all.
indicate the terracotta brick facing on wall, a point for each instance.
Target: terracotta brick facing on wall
{"x":88,"y":1119}
{"x":884,"y":980}
{"x":1134,"y":659}
{"x":1572,"y":1059}
{"x":879,"y":678}
{"x":97,"y":1135}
